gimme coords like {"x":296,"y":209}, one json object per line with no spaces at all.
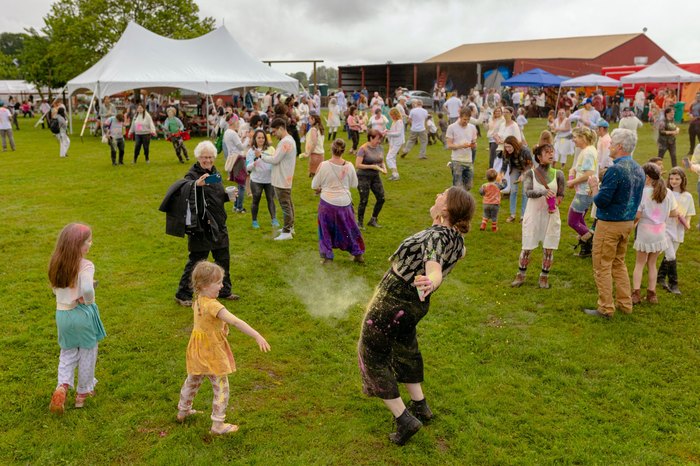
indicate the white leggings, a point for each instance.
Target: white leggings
{"x":84,"y":360}
{"x":391,"y":155}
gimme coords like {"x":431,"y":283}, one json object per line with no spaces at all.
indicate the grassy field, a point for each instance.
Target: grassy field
{"x":515,"y":376}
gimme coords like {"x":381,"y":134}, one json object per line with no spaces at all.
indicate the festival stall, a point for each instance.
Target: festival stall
{"x":535,"y":77}
{"x":588,"y":80}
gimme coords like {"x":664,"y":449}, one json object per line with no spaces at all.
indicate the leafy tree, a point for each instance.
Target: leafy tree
{"x":80,"y":32}
{"x":301,"y":77}
{"x":8,"y":70}
{"x":11,"y":43}
{"x":326,"y":75}
{"x":38,"y":62}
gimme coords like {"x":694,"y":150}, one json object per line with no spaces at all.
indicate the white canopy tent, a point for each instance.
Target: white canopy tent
{"x":590,"y":80}
{"x":663,"y":71}
{"x":11,"y":87}
{"x":587,"y":80}
{"x":209,"y":64}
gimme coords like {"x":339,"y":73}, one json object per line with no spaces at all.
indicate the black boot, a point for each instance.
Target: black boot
{"x":672,"y":277}
{"x":661,"y":277}
{"x":406,"y":427}
{"x":586,"y":248}
{"x":421,"y":410}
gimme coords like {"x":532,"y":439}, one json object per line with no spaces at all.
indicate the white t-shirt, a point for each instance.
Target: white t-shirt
{"x":335,"y":182}
{"x":630,"y":122}
{"x":459,"y":134}
{"x":604,"y":160}
{"x":418,"y":116}
{"x":5,"y":116}
{"x":686,"y":208}
{"x":453,"y":105}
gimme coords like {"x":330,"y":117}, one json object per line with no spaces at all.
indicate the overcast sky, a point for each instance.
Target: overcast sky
{"x":345,"y":32}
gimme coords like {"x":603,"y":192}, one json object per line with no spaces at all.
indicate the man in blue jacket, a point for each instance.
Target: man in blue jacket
{"x":617,"y":200}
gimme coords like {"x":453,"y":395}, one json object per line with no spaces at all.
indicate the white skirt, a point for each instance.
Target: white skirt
{"x":650,"y":238}
{"x":539,"y":226}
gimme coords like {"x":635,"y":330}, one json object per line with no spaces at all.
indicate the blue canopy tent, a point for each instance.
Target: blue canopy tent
{"x":535,"y":77}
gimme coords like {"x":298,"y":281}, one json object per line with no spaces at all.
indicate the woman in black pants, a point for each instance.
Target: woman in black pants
{"x":388,"y":350}
{"x":369,"y":163}
{"x":261,"y":177}
{"x":353,"y":128}
{"x":142,"y":128}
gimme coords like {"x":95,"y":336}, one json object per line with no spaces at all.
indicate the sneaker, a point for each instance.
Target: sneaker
{"x":255,"y":224}
{"x":373,"y":223}
{"x":81,"y":397}
{"x":360,"y":258}
{"x":393,"y":178}
{"x":510,"y":219}
{"x":58,"y":400}
{"x":241,"y":210}
{"x":275,"y":223}
{"x":284,"y":236}
{"x":231,"y":297}
{"x":183,"y":302}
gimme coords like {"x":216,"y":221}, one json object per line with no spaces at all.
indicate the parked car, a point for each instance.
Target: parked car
{"x":423,"y":96}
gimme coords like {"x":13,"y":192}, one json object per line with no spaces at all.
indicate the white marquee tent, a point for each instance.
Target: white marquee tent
{"x":591,"y":80}
{"x":663,"y":71}
{"x":209,"y":64}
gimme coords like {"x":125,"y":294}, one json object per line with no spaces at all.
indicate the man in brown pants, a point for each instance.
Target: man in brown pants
{"x":617,"y":200}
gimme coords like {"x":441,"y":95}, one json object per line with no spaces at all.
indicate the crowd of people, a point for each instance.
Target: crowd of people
{"x":260,"y":151}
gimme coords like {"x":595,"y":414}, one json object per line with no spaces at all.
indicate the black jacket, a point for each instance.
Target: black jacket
{"x":207,"y":211}
{"x":175,"y":207}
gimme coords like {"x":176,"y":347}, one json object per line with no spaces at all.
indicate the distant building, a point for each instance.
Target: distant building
{"x":464,"y":66}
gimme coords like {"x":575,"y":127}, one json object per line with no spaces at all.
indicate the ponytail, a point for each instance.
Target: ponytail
{"x":652,"y":171}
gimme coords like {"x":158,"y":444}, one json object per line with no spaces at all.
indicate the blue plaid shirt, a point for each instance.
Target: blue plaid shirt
{"x":620,"y":191}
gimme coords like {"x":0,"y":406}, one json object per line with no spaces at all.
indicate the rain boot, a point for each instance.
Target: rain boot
{"x":662,"y":273}
{"x":672,"y":277}
{"x":421,"y":410}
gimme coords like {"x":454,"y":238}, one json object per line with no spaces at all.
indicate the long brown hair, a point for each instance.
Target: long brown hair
{"x":460,"y":208}
{"x":653,"y":172}
{"x":513,"y":141}
{"x":680,"y":173}
{"x":65,"y":260}
{"x":318,"y":124}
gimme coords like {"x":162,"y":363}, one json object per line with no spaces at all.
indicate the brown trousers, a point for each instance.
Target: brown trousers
{"x":609,"y":249}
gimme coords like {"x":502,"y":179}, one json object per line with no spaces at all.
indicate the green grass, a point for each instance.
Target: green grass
{"x":515,"y":376}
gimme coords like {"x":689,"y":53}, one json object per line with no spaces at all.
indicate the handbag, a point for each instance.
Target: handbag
{"x":219,"y":143}
{"x":230,"y":161}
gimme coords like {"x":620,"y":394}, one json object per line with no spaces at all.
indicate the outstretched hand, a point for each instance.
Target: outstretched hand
{"x":262,"y":343}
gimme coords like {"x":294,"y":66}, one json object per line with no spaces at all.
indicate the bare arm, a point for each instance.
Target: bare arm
{"x":432,"y":279}
{"x":230,"y":319}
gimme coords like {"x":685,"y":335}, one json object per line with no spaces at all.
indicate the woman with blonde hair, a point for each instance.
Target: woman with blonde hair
{"x":585,"y":166}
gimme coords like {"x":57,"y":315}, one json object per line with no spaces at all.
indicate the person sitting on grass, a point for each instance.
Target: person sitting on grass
{"x":208,"y":352}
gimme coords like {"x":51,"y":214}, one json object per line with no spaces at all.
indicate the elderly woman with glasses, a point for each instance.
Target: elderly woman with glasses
{"x":208,"y":234}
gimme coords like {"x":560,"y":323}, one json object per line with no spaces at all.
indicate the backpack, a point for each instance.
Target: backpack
{"x":54,"y":126}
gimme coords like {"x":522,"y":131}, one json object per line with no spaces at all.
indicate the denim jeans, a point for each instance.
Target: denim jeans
{"x":238,"y":203}
{"x":258,"y":189}
{"x":462,"y":174}
{"x":514,"y":186}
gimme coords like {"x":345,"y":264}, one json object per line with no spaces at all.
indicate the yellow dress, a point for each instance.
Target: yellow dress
{"x":208,"y":352}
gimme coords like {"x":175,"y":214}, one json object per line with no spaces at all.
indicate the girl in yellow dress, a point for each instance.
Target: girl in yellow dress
{"x":208,"y":352}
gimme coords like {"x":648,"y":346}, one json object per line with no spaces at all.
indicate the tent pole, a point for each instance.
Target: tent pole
{"x":206,"y":116}
{"x":87,"y":115}
{"x":556,"y":104}
{"x":70,"y":115}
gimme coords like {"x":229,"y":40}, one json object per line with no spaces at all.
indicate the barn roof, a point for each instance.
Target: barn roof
{"x":587,"y":47}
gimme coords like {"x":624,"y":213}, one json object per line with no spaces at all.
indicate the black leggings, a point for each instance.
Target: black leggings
{"x":369,"y":180}
{"x":141,"y":140}
{"x":258,"y":189}
{"x":355,"y":137}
